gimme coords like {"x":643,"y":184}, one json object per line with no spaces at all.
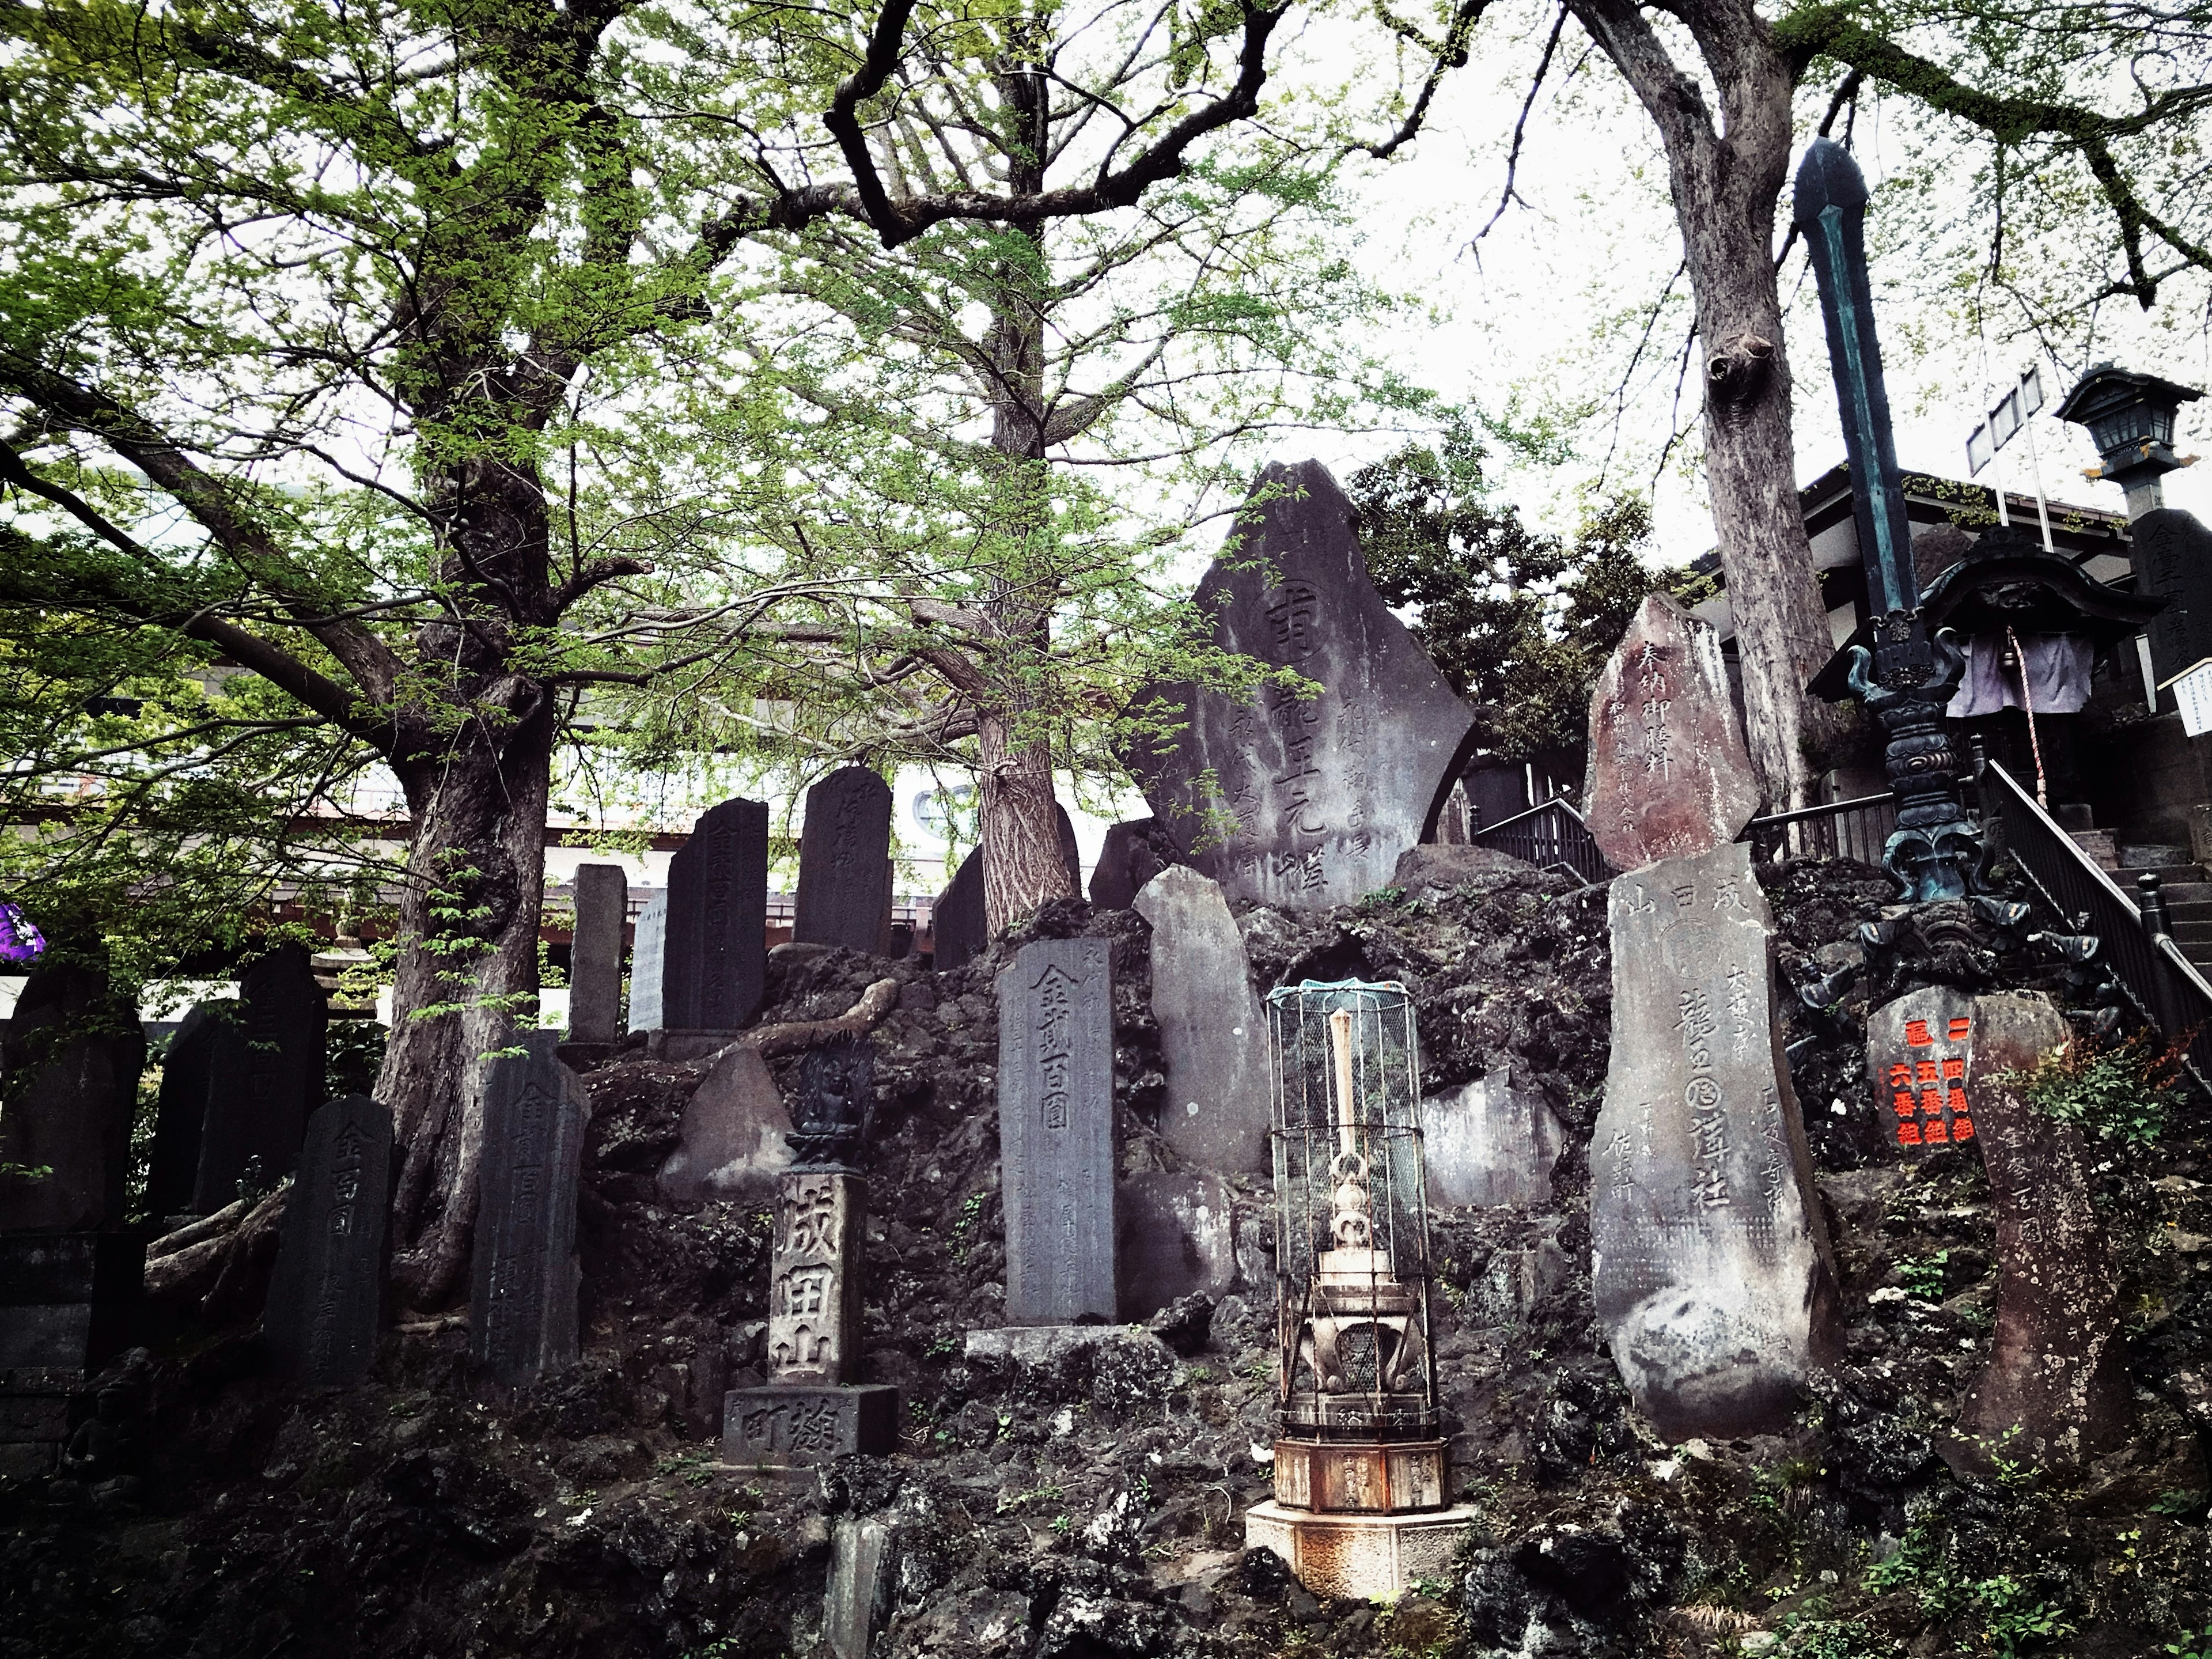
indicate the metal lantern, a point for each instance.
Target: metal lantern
{"x":1352,"y":1245}
{"x":1359,"y":1507}
{"x":2130,"y":419}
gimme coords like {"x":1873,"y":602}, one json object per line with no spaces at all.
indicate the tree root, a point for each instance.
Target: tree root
{"x":768,"y":1040}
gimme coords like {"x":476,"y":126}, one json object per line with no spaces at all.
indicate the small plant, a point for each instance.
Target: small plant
{"x":1923,"y":1275}
{"x":1381,"y":898}
{"x":963,"y":1227}
{"x":1062,"y":1525}
{"x":2192,"y":1647}
{"x":941,"y":1347}
{"x":2118,"y":1091}
{"x":1046,"y":1493}
{"x":2010,"y":1625}
{"x":2181,"y":1505}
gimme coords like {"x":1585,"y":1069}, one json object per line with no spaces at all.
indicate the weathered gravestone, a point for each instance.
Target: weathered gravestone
{"x":327,"y":1289}
{"x":522,"y":1300}
{"x":602,"y":898}
{"x":2172,"y":552}
{"x":181,"y":1112}
{"x":956,"y":920}
{"x":1056,"y":1131}
{"x":1486,"y":1142}
{"x":1174,"y":1235}
{"x":1917,"y":1052}
{"x":648,"y":957}
{"x":1710,"y":1261}
{"x":717,"y":950}
{"x":1311,"y":799}
{"x":1669,"y":772}
{"x":844,"y":870}
{"x":72,"y":1055}
{"x":814,"y":1277}
{"x":264,"y":1076}
{"x":2055,"y":1389}
{"x":734,"y":1140}
{"x":1213,"y":1035}
{"x":1132,"y":853}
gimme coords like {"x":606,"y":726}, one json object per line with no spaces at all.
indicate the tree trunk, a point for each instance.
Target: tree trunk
{"x":477,"y":786}
{"x":1020,"y":822}
{"x":1725,"y":183}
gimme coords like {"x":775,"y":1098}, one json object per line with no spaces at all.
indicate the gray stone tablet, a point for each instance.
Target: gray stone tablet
{"x":717,"y":951}
{"x":522,"y":1301}
{"x":327,"y":1289}
{"x":1056,"y":1131}
{"x":844,"y":873}
{"x":602,"y":898}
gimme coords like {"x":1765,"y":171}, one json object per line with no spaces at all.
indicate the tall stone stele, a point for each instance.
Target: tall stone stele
{"x":844,"y":863}
{"x":813,"y":1408}
{"x":1302,"y":801}
{"x":2056,"y":1388}
{"x":327,"y":1289}
{"x":1710,"y":1261}
{"x":602,"y":899}
{"x":716,"y":957}
{"x":1213,"y":1034}
{"x":523,"y":1284}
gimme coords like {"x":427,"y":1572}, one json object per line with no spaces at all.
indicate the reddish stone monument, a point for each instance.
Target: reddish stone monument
{"x":1670,"y":775}
{"x":1916,"y":1052}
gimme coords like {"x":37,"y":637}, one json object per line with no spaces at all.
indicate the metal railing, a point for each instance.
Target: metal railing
{"x":1552,"y":834}
{"x":1857,"y":828}
{"x":2134,"y":938}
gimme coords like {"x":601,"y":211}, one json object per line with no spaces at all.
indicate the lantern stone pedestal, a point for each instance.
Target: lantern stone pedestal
{"x":1367,"y":1557}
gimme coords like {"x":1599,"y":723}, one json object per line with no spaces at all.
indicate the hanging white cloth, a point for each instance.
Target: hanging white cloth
{"x":2058,"y":675}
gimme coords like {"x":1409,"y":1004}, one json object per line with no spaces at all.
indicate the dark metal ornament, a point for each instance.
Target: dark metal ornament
{"x":836,"y":1098}
{"x":1909,"y":678}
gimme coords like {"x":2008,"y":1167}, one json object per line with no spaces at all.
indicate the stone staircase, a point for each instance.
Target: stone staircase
{"x":2187,"y":887}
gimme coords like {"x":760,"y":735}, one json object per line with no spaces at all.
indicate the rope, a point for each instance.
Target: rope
{"x":2027,"y":701}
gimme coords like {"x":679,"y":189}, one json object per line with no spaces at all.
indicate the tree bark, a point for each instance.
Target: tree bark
{"x":1725,"y":184}
{"x":1020,"y":824}
{"x":467,"y":973}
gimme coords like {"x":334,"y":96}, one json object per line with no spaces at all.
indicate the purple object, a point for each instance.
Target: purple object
{"x":20,"y":941}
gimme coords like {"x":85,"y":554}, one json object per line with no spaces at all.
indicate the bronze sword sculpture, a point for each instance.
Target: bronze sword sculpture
{"x":1907,"y":680}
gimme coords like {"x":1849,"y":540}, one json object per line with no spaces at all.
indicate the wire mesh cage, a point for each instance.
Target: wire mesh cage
{"x":1352,"y":1225}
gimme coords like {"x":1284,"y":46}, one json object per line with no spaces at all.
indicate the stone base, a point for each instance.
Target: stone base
{"x":790,"y":1425}
{"x":34,"y":1413}
{"x":1041,"y":1344}
{"x":675,"y":1048}
{"x":68,"y":1300}
{"x":1359,"y":1557}
{"x":584,"y":1056}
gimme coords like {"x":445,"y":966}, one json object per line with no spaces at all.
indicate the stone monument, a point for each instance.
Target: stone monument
{"x":1668,"y":771}
{"x":1488,"y":1143}
{"x":649,"y":958}
{"x":72,"y":1055}
{"x":1312,"y":798}
{"x":1917,"y":1054}
{"x":1213,"y":1034}
{"x":811,"y":1409}
{"x":602,"y":897}
{"x":1174,"y":1235}
{"x":1710,"y":1261}
{"x":522,"y":1298}
{"x":717,"y":944}
{"x":1056,"y":1131}
{"x":69,"y":1302}
{"x":264,"y":1076}
{"x":959,"y":924}
{"x":2055,"y":1390}
{"x":327,"y":1289}
{"x":734,"y":1140}
{"x":844,"y":863}
{"x":181,"y":1112}
{"x":1132,"y":853}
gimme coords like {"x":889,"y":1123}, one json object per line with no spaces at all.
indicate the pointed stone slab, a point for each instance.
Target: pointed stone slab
{"x":956,"y":920}
{"x":1917,"y":1052}
{"x":2056,"y":1373}
{"x":649,"y":958}
{"x":717,"y":950}
{"x":181,"y":1113}
{"x":734,"y":1140}
{"x":264,"y":1076}
{"x":1312,"y":800}
{"x":327,"y":1289}
{"x":1056,"y":1131}
{"x":1213,"y":1034}
{"x":844,"y":871}
{"x":1670,"y":775}
{"x":1132,"y":853}
{"x":602,"y":900}
{"x":1710,"y":1261}
{"x":522,"y":1300}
